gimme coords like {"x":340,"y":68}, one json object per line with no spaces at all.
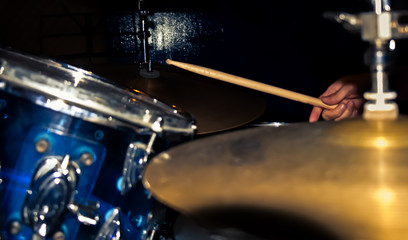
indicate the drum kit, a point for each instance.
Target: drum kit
{"x":83,"y":157}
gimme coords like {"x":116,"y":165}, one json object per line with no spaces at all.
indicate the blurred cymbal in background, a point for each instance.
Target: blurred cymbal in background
{"x":216,"y":106}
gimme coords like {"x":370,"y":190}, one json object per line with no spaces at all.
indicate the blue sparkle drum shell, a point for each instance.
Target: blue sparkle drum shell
{"x":50,"y":110}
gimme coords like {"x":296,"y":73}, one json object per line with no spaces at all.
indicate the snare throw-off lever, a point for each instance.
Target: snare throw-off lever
{"x":51,"y":196}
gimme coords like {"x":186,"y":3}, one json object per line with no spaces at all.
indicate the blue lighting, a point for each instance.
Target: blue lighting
{"x":3,"y":104}
{"x":119,"y":184}
{"x":108,"y":214}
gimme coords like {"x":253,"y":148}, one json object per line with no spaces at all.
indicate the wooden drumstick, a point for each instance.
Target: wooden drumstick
{"x":251,"y":84}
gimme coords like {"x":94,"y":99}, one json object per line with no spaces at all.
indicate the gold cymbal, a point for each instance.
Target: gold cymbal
{"x":348,"y":177}
{"x":216,"y":106}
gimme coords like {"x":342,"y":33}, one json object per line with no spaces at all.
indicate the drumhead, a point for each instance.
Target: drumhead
{"x":79,"y":93}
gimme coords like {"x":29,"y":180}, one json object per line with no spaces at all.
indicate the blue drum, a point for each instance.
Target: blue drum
{"x":73,"y":147}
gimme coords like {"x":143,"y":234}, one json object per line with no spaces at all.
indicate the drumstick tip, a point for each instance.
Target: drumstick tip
{"x":169,"y":61}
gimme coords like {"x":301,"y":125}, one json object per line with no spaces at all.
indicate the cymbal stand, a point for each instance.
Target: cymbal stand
{"x":146,"y":70}
{"x":380,"y":28}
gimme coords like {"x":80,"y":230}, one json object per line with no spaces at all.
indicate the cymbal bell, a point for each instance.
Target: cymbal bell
{"x":215,"y":105}
{"x":349,"y":177}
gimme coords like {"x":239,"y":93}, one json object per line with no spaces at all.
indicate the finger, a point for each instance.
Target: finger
{"x":315,"y":114}
{"x":334,"y":113}
{"x":347,"y":91}
{"x":358,"y":104}
{"x":332,"y":89}
{"x":355,"y":113}
{"x":348,"y":112}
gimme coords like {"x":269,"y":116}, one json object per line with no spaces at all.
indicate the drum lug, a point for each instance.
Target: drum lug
{"x":51,"y":195}
{"x":136,"y":159}
{"x":86,"y":214}
{"x":111,"y":227}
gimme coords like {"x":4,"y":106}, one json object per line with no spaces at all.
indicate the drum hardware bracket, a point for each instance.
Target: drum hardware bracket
{"x":56,"y":177}
{"x":152,"y":231}
{"x":2,"y":63}
{"x":157,"y":126}
{"x":111,"y":227}
{"x":86,"y":214}
{"x":152,"y":234}
{"x":137,"y":156}
{"x":380,"y":28}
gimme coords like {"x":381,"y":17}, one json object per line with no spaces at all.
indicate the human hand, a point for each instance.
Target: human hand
{"x":347,"y":94}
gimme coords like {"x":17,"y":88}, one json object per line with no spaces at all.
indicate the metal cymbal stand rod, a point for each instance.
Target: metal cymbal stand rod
{"x":144,"y":33}
{"x":380,"y":103}
{"x":146,"y":70}
{"x":380,"y":28}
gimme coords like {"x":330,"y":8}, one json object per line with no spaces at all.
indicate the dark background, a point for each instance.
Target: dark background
{"x":283,"y":43}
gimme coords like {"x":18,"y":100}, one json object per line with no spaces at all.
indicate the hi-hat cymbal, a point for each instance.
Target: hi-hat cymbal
{"x":349,"y":177}
{"x":216,"y":106}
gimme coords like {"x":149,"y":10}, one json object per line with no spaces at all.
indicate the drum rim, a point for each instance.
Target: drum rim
{"x":170,"y":119}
